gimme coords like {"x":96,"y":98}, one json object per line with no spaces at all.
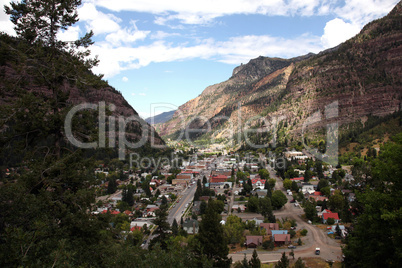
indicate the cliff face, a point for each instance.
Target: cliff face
{"x":362,"y":75}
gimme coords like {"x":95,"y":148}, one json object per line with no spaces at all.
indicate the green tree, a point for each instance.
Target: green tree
{"x":255,"y":261}
{"x":40,"y":20}
{"x":175,"y":228}
{"x":234,"y":229}
{"x":287,"y":183}
{"x":253,"y":204}
{"x":272,"y":183}
{"x":266,"y":207}
{"x":278,"y":199}
{"x":299,"y":263}
{"x":294,"y":187}
{"x":162,"y":228}
{"x":310,"y":210}
{"x":375,"y":240}
{"x":283,"y":262}
{"x":212,"y":239}
{"x":264,"y":174}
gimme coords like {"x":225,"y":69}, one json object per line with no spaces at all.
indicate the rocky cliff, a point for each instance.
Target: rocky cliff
{"x":362,"y":77}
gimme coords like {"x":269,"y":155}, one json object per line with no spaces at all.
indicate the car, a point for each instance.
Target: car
{"x":291,"y":247}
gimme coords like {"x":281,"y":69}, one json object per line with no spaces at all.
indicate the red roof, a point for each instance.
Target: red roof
{"x":317,"y":193}
{"x":218,"y":178}
{"x":282,"y":237}
{"x":334,"y":216}
{"x":135,"y":228}
{"x":254,"y":181}
{"x":298,"y":179}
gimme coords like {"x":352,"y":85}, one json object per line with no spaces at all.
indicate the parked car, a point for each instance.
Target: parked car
{"x":291,"y":247}
{"x":317,"y":251}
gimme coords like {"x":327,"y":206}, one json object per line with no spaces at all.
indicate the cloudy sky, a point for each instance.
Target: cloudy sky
{"x":162,"y":53}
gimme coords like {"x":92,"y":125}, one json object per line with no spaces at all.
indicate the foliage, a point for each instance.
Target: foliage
{"x":254,"y":261}
{"x":303,"y":232}
{"x":278,"y":199}
{"x":375,"y":239}
{"x":283,"y":262}
{"x":299,"y":263}
{"x":234,"y":229}
{"x":211,"y":236}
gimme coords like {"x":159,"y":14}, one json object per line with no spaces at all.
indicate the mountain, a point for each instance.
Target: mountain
{"x":40,"y":87}
{"x":361,"y":78}
{"x":160,"y":118}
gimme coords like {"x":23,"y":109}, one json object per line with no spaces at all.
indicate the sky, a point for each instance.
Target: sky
{"x":161,"y":53}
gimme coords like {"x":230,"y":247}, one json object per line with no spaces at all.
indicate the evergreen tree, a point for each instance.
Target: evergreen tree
{"x":299,"y":263}
{"x":283,"y":262}
{"x":255,"y":261}
{"x":162,"y":228}
{"x":175,"y":228}
{"x":375,"y":240}
{"x":244,"y":262}
{"x":211,"y":237}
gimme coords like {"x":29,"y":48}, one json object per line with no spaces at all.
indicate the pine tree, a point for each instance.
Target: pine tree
{"x":40,"y":20}
{"x":162,"y":228}
{"x":175,"y":227}
{"x":255,"y":261}
{"x":299,"y":263}
{"x":283,"y":262}
{"x":212,"y":238}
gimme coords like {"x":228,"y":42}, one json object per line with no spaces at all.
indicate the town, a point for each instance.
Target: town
{"x":302,"y":210}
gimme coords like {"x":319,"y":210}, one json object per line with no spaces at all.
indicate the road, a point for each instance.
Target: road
{"x":330,"y":249}
{"x":185,"y":198}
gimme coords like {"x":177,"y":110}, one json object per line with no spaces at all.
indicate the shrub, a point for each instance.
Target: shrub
{"x":303,"y":232}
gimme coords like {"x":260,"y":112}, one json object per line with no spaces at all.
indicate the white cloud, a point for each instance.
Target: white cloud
{"x":337,"y":31}
{"x":97,"y":21}
{"x":360,"y":12}
{"x":126,"y":36}
{"x":71,"y":34}
{"x":124,"y":79}
{"x":142,"y":94}
{"x":235,"y":50}
{"x":203,"y":11}
{"x":5,"y":24}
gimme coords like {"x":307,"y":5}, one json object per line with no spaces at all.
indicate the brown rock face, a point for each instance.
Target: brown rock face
{"x":363,"y":76}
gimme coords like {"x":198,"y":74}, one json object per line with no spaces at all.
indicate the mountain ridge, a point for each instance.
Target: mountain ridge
{"x":362,"y":75}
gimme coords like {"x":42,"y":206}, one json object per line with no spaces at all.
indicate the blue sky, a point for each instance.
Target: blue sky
{"x":162,"y":53}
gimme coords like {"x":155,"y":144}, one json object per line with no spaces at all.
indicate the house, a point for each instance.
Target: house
{"x":281,"y":239}
{"x":318,"y":198}
{"x":258,"y":183}
{"x":326,"y":216}
{"x":342,"y":228}
{"x":275,"y":232}
{"x":191,"y":226}
{"x":253,"y":241}
{"x":237,"y":207}
{"x":319,"y":214}
{"x":218,"y":179}
{"x":196,"y":207}
{"x":297,"y":179}
{"x":308,"y":188}
{"x":269,"y":227}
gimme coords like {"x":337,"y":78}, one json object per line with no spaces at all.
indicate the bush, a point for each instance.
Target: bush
{"x":303,"y":232}
{"x":292,"y":233}
{"x":330,"y":221}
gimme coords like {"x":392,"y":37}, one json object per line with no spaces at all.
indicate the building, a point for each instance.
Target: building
{"x":258,"y":183}
{"x":253,"y":241}
{"x":269,"y":227}
{"x":191,"y":226}
{"x":326,"y":216}
{"x":281,"y":239}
